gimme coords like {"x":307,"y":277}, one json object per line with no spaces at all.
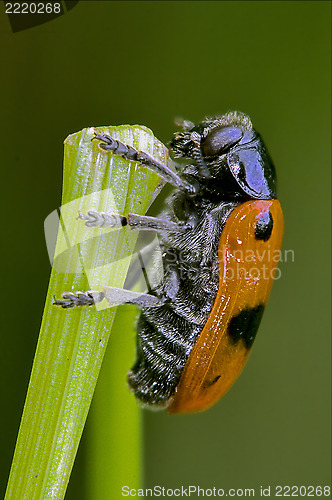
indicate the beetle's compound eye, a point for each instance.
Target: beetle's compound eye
{"x":220,"y":140}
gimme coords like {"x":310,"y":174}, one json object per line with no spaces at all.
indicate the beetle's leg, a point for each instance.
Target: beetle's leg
{"x":102,"y":219}
{"x":171,"y":282}
{"x":71,"y":299}
{"x":142,"y":259}
{"x":130,"y":153}
{"x":118,"y":296}
{"x":114,"y":296}
{"x":134,"y":221}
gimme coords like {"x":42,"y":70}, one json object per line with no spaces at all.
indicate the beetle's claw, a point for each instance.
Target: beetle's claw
{"x":78,"y":299}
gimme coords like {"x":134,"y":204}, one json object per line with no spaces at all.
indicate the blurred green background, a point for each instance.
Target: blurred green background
{"x":108,"y":63}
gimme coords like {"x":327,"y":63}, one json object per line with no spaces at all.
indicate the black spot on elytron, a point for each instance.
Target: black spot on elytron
{"x":215,"y":379}
{"x":245,"y":325}
{"x":208,"y":383}
{"x":264,"y":226}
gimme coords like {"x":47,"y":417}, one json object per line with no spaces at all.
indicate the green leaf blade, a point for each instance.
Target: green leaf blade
{"x":72,"y":342}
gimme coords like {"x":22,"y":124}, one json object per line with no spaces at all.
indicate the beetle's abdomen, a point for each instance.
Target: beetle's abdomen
{"x":161,"y":354}
{"x":167,"y":334}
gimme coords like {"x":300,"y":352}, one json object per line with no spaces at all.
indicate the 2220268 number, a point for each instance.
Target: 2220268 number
{"x":303,"y":491}
{"x":33,"y":8}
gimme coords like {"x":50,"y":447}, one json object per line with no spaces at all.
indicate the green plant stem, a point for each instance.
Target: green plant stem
{"x":113,"y":441}
{"x":72,"y":342}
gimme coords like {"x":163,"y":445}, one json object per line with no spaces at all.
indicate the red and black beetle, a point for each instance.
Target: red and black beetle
{"x":218,"y":233}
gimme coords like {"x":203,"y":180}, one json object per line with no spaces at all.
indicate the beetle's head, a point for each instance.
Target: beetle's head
{"x":229,"y":156}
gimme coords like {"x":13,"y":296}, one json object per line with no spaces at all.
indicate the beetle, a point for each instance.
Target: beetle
{"x":217,"y":233}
